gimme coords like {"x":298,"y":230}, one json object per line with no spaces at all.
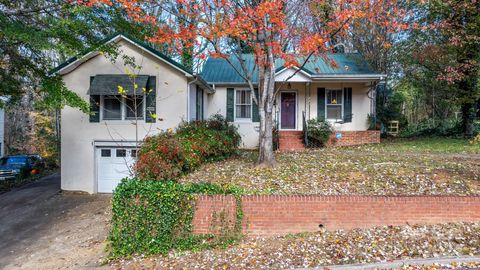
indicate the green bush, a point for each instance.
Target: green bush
{"x":168,"y":155}
{"x":151,"y":217}
{"x":428,"y":128}
{"x":319,"y":130}
{"x":213,"y":139}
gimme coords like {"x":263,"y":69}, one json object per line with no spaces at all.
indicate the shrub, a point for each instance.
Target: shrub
{"x":475,"y":140}
{"x":150,"y":217}
{"x":209,"y":140}
{"x":446,"y":128}
{"x":168,"y":155}
{"x":161,"y":157}
{"x":319,"y":132}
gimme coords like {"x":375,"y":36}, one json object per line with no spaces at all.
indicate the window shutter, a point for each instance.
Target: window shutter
{"x":94,"y":106}
{"x":150,"y":100}
{"x":255,"y":116}
{"x":321,"y":103}
{"x":230,"y":104}
{"x":94,"y":109}
{"x":347,"y":107}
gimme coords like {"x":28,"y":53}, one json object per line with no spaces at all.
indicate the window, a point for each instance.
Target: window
{"x":133,"y":153}
{"x":112,"y":108}
{"x":134,"y":107}
{"x":106,"y":153}
{"x":115,"y":107}
{"x":13,"y":161}
{"x":121,"y":153}
{"x":334,"y":104}
{"x":243,"y":104}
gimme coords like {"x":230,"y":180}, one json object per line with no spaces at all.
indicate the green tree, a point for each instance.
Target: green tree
{"x":39,"y":34}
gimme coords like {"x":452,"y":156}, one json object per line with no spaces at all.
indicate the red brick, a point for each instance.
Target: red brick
{"x":278,"y":215}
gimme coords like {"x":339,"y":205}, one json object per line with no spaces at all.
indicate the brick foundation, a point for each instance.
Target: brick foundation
{"x":279,"y":215}
{"x":354,"y":138}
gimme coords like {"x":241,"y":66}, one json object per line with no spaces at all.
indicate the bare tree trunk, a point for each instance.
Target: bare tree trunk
{"x":468,"y":116}
{"x":266,"y":157}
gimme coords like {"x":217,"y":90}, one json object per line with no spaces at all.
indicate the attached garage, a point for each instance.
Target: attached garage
{"x":112,"y":165}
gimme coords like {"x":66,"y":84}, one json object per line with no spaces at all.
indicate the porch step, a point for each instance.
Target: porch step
{"x":291,"y":141}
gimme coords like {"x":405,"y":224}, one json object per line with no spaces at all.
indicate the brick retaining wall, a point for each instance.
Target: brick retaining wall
{"x":279,"y":215}
{"x":354,"y":137}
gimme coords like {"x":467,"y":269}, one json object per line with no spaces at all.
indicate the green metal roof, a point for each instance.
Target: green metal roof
{"x":218,"y":70}
{"x":136,"y":41}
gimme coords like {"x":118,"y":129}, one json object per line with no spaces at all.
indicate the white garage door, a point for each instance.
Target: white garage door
{"x":113,"y":164}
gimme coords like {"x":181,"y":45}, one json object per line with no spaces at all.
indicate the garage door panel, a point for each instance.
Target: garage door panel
{"x":113,"y":164}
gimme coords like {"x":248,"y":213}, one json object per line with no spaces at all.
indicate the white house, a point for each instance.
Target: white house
{"x":97,"y":150}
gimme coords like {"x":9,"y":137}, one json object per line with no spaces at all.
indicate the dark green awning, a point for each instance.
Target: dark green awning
{"x":109,"y":84}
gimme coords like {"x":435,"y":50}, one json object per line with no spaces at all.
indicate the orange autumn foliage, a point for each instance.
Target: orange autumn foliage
{"x":266,"y":26}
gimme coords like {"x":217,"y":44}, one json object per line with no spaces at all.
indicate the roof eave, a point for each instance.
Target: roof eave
{"x":205,"y":84}
{"x":231,"y":83}
{"x":321,"y":77}
{"x":302,"y":70}
{"x":72,"y":63}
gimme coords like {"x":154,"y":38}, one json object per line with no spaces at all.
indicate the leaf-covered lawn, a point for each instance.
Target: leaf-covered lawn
{"x":352,"y":170}
{"x":327,"y":248}
{"x":426,"y":145}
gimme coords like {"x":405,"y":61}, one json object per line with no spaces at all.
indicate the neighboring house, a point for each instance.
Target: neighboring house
{"x":98,"y":149}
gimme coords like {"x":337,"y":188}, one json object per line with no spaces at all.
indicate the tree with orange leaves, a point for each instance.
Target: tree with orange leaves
{"x":293,"y":31}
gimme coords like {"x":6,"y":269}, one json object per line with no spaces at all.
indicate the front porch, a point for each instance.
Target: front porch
{"x":346,"y":105}
{"x":295,"y":140}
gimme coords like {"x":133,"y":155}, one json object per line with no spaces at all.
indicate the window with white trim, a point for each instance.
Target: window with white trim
{"x":243,"y":104}
{"x":334,"y":104}
{"x":117,"y":107}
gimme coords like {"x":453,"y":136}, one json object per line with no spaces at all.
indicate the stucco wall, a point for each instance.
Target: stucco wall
{"x":217,"y":104}
{"x":78,"y":134}
{"x":360,"y":104}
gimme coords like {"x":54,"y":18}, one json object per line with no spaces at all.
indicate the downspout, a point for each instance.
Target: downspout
{"x":188,"y":97}
{"x":309,"y":98}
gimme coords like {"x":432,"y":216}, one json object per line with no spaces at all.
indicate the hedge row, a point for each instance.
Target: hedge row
{"x":168,"y":155}
{"x":151,"y":217}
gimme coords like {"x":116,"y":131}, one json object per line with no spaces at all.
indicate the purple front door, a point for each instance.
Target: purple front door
{"x":288,"y":110}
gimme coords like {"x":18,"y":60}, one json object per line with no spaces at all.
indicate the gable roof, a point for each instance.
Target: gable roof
{"x":219,"y":71}
{"x":74,"y":62}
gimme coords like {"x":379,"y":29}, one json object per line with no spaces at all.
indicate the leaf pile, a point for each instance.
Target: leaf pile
{"x":357,"y":170}
{"x":379,"y":244}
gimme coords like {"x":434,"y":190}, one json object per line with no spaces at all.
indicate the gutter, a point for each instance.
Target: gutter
{"x":349,"y":76}
{"x":203,"y":83}
{"x":319,"y":77}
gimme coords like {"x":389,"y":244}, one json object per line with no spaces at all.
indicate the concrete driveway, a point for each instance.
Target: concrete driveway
{"x":42,"y":228}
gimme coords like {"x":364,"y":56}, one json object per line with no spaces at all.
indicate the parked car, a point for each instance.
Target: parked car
{"x":18,"y":165}
{"x":38,"y":161}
